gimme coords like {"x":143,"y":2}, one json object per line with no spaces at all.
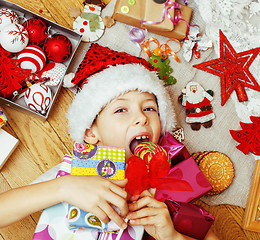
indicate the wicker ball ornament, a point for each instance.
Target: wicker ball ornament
{"x":58,"y":48}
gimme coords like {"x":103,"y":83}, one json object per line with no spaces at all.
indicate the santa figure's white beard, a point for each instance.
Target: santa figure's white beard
{"x":196,"y":97}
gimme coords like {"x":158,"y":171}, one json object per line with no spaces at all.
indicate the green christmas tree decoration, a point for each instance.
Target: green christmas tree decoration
{"x":163,"y":68}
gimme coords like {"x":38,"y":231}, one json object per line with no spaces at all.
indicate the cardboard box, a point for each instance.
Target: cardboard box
{"x":54,"y":28}
{"x":136,"y":14}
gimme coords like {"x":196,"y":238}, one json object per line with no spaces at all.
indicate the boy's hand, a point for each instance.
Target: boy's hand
{"x":154,"y":216}
{"x":96,"y":194}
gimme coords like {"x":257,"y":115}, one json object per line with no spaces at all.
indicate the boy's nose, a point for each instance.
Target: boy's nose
{"x":141,"y":119}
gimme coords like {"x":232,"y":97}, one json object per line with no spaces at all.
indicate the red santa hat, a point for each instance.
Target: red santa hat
{"x":105,"y":74}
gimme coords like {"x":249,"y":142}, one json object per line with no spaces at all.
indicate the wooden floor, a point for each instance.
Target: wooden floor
{"x":44,"y":143}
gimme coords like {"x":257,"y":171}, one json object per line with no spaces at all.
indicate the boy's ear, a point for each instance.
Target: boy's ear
{"x":90,"y":137}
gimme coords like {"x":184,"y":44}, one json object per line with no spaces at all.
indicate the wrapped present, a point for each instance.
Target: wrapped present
{"x":53,"y":225}
{"x":3,"y":118}
{"x":155,"y":17}
{"x":53,"y":221}
{"x":131,"y":233}
{"x":134,"y":15}
{"x":108,"y":162}
{"x":190,"y":219}
{"x":188,"y":171}
{"x":175,"y":149}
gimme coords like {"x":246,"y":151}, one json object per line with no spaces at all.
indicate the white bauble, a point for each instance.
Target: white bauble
{"x":14,"y":38}
{"x":38,"y":98}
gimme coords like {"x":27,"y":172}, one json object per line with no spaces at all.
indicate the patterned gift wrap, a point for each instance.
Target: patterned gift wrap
{"x":89,"y":160}
{"x":108,"y":162}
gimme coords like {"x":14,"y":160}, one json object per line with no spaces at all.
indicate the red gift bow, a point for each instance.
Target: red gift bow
{"x":142,"y":176}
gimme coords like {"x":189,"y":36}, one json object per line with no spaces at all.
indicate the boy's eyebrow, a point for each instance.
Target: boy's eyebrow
{"x":125,"y":99}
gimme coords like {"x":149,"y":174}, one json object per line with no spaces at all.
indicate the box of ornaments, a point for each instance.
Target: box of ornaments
{"x":34,"y":56}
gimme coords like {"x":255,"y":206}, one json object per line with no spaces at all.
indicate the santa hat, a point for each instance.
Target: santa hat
{"x":105,"y":74}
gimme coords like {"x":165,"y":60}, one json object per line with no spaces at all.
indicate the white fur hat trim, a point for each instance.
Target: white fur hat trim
{"x":108,"y":84}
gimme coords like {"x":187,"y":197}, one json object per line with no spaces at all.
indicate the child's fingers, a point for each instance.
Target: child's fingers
{"x":146,"y":201}
{"x":117,"y":201}
{"x":143,"y":221}
{"x":120,"y":183}
{"x":148,"y":216}
{"x":113,"y":215}
{"x":144,"y":212}
{"x":100,"y":214}
{"x":145,"y":193}
{"x":117,"y":187}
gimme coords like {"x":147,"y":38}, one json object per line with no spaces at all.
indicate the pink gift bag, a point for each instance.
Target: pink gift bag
{"x":189,"y":171}
{"x":190,"y":219}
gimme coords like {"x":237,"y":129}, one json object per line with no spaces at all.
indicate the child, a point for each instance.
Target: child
{"x":120,"y":106}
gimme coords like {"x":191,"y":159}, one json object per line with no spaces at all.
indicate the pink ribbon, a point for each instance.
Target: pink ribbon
{"x":168,"y":5}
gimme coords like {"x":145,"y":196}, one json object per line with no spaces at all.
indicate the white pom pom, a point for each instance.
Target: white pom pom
{"x":67,"y":80}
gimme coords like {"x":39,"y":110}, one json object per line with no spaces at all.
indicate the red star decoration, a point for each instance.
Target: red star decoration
{"x":233,"y":70}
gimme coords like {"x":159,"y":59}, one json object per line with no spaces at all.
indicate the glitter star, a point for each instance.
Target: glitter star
{"x":233,"y":70}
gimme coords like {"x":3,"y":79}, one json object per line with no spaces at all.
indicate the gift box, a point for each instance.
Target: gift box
{"x":53,"y":225}
{"x":134,"y":14}
{"x":189,"y":171}
{"x":154,"y":12}
{"x":190,"y":219}
{"x":108,"y":162}
{"x":75,"y":40}
{"x":175,"y":149}
{"x":53,"y":221}
{"x":131,"y":233}
{"x":3,"y":118}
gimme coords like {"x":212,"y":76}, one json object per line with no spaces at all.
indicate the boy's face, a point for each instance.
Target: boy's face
{"x":128,"y":120}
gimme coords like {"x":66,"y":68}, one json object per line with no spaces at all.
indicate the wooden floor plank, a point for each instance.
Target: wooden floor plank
{"x":38,"y":137}
{"x":44,"y":143}
{"x":58,"y":118}
{"x":22,"y":230}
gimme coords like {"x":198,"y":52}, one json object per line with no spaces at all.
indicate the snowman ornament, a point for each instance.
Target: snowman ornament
{"x":89,"y":24}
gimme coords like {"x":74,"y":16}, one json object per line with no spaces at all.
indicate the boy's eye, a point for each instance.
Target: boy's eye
{"x":120,"y":110}
{"x":150,"y":109}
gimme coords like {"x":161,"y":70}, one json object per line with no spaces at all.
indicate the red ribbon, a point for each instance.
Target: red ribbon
{"x":142,"y":176}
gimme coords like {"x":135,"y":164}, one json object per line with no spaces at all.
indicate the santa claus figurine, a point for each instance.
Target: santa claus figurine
{"x":198,"y":106}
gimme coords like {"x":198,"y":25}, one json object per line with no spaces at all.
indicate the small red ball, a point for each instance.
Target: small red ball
{"x":37,"y":30}
{"x":58,"y":48}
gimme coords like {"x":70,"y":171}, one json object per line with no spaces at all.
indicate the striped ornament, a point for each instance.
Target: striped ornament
{"x":32,"y":57}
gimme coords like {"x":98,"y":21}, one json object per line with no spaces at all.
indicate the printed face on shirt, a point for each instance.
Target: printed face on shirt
{"x":128,"y":120}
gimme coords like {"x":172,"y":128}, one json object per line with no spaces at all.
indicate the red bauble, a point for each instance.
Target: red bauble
{"x":37,"y":30}
{"x":58,"y":48}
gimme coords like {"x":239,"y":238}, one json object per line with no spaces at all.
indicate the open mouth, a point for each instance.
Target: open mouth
{"x":137,"y":140}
